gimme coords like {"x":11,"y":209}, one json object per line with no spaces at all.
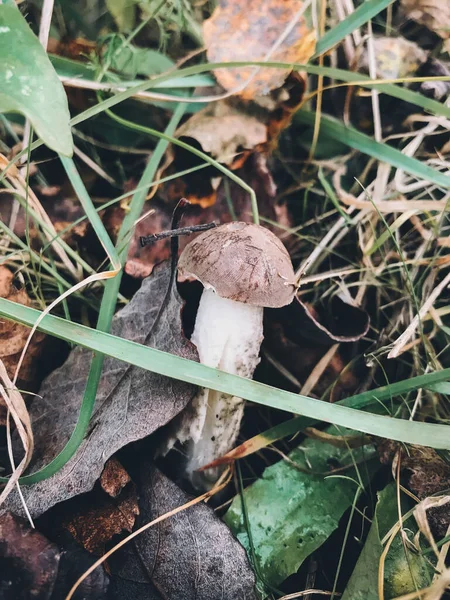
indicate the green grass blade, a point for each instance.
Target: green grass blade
{"x":366,"y":11}
{"x":109,"y":298}
{"x":89,"y":209}
{"x":436,"y":436}
{"x":359,"y":141}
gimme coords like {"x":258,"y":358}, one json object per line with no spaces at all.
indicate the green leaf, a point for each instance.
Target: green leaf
{"x":123,"y":12}
{"x":291,"y":513}
{"x":131,"y":61}
{"x":29,"y":84}
{"x":404,"y":571}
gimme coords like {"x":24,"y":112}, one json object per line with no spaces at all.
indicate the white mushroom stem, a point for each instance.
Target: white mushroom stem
{"x":228,"y":336}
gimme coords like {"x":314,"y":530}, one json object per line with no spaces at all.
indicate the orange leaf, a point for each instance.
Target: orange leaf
{"x":257,"y":30}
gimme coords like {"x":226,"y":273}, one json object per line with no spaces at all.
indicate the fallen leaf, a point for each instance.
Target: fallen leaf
{"x":428,"y":475}
{"x":295,"y":507}
{"x":395,"y":58}
{"x":224,"y":130}
{"x":405,"y":571}
{"x":191,"y":555}
{"x":33,"y":567}
{"x":433,"y":14}
{"x":131,"y":403}
{"x":114,"y":478}
{"x":13,"y":337}
{"x":248,"y":32}
{"x":300,"y":334}
{"x":28,"y":561}
{"x":103,"y":515}
{"x":105,"y":518}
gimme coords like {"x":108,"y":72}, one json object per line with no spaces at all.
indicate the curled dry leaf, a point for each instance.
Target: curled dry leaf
{"x":191,"y":555}
{"x":277,"y":30}
{"x":299,"y":335}
{"x":13,"y":337}
{"x":433,"y":14}
{"x":131,"y":403}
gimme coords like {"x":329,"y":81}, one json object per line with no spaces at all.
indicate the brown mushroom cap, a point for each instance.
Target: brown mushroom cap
{"x":242,"y":262}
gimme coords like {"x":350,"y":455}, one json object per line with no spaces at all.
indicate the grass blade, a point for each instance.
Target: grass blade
{"x":366,"y":11}
{"x":436,"y":436}
{"x":359,"y":141}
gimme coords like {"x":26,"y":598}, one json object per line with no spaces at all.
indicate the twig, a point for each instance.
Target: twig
{"x":155,"y":237}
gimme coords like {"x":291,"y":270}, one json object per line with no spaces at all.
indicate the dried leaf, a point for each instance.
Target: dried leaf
{"x":106,"y":515}
{"x":224,"y":130}
{"x":33,"y":567}
{"x":28,"y":561}
{"x":433,"y":14}
{"x":429,"y":475}
{"x":191,"y":555}
{"x":248,"y":32}
{"x":395,"y":57}
{"x":95,"y":527}
{"x":298,"y":336}
{"x":114,"y":478}
{"x":131,"y":403}
{"x":13,"y":337}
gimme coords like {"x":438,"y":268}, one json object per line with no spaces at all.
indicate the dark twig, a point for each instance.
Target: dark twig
{"x":177,"y":215}
{"x":155,"y":237}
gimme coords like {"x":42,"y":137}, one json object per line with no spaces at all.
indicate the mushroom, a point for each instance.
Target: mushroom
{"x":243,"y":268}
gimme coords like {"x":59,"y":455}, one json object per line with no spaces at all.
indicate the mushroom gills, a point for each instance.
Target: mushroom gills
{"x":228,"y":336}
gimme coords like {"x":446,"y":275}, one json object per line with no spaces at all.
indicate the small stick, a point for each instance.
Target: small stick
{"x":155,"y":237}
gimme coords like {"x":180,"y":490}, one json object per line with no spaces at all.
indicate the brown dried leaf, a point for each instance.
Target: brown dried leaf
{"x":114,"y":478}
{"x":429,"y":475}
{"x":131,"y":403}
{"x":223,"y":130}
{"x":247,"y":31}
{"x":191,"y":555}
{"x":28,"y":561}
{"x":433,"y":14}
{"x":33,"y":567}
{"x":297,"y":337}
{"x":106,"y":516}
{"x":13,"y":337}
{"x":395,"y":57}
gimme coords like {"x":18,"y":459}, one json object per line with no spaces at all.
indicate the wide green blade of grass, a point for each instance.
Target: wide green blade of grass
{"x":436,"y":436}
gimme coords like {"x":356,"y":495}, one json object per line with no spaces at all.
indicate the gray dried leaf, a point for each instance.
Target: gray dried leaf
{"x":191,"y":555}
{"x":131,"y":402}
